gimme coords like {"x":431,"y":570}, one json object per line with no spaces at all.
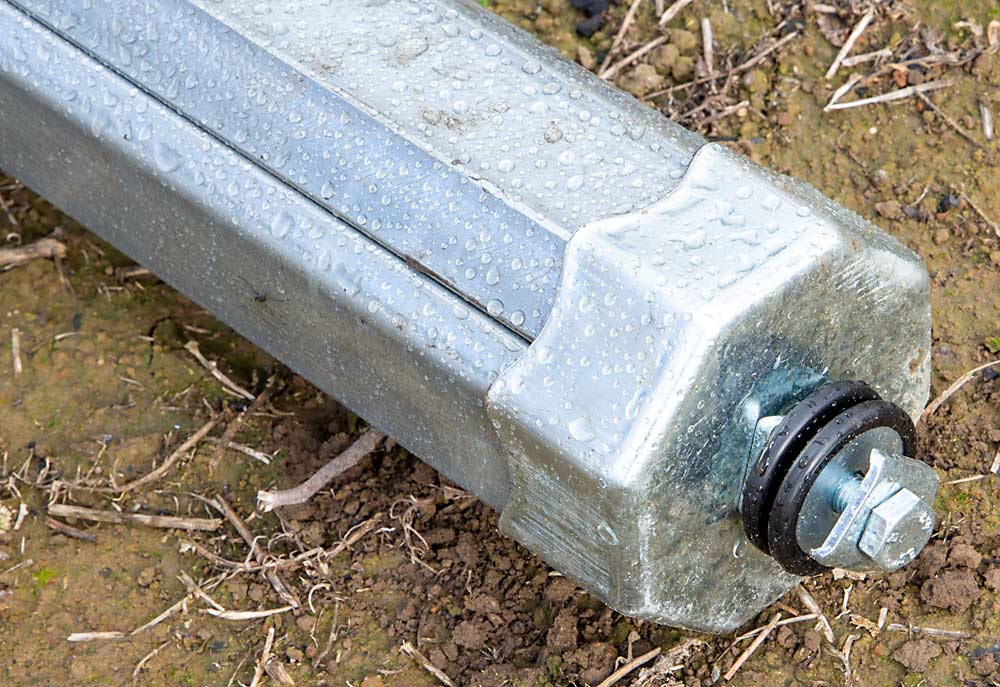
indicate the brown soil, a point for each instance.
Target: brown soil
{"x":107,"y":387}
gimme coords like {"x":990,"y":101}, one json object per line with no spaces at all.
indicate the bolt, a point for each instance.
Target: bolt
{"x":845,"y":492}
{"x":884,"y":516}
{"x":897,"y":529}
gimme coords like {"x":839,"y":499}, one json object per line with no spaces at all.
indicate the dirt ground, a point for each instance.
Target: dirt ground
{"x":107,"y":391}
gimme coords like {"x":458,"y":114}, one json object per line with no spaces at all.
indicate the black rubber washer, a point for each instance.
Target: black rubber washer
{"x":800,"y":477}
{"x":787,"y":441}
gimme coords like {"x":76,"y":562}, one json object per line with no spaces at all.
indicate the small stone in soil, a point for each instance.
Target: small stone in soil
{"x":588,"y":27}
{"x":591,"y":7}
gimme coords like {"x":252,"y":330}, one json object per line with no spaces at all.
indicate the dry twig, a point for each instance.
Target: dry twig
{"x":426,"y":664}
{"x":94,"y":636}
{"x":708,"y":45}
{"x":929,"y":631}
{"x":809,"y":602}
{"x":952,"y":390}
{"x":164,"y":521}
{"x":160,"y":471}
{"x":845,"y":49}
{"x":145,"y":659}
{"x":891,"y":96}
{"x":69,"y":531}
{"x":752,"y":648}
{"x":628,"y":667}
{"x":233,"y":427}
{"x":213,"y":368}
{"x":245,"y":615}
{"x":626,"y":23}
{"x":22,"y":255}
{"x":948,"y":120}
{"x":265,"y":655}
{"x":271,"y":575}
{"x":362,"y":447}
{"x":673,"y":11}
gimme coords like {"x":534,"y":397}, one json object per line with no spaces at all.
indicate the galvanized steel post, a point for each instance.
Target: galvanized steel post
{"x":579,"y":311}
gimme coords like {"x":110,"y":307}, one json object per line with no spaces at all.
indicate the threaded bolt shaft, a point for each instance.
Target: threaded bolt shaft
{"x":845,"y":492}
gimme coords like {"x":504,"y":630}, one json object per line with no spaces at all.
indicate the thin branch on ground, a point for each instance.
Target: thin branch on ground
{"x":949,"y":121}
{"x":45,"y":248}
{"x":360,"y":449}
{"x":165,"y":521}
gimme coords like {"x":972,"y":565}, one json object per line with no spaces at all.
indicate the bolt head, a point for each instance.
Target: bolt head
{"x":897,"y":530}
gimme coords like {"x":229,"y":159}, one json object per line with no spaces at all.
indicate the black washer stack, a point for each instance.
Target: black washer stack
{"x":808,"y":438}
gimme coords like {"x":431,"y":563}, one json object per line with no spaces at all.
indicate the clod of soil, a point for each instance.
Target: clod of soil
{"x":955,"y":590}
{"x":916,"y":654}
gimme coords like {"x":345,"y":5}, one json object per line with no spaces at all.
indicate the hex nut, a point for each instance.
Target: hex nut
{"x":897,"y":530}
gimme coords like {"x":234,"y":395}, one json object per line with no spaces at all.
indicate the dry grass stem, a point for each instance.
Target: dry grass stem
{"x":14,"y":568}
{"x":810,"y":603}
{"x":361,"y":448}
{"x":425,"y":663}
{"x":163,"y":615}
{"x":632,"y":57}
{"x":866,"y":57}
{"x":213,"y":368}
{"x":160,"y":471}
{"x":673,"y":11}
{"x":146,"y":659}
{"x":259,"y":456}
{"x":929,"y":631}
{"x":986,"y":114}
{"x":195,"y":590}
{"x":948,"y":120}
{"x":787,"y":621}
{"x":739,"y":69}
{"x":270,"y":575}
{"x":708,"y":45}
{"x":982,"y":215}
{"x":892,"y":96}
{"x":164,"y":521}
{"x":94,"y":636}
{"x":952,"y":390}
{"x":745,"y":656}
{"x":848,"y":45}
{"x":15,"y":351}
{"x":245,"y":615}
{"x":628,"y":667}
{"x":963,"y":480}
{"x":40,"y":249}
{"x":233,"y":427}
{"x":265,"y":656}
{"x":626,"y":23}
